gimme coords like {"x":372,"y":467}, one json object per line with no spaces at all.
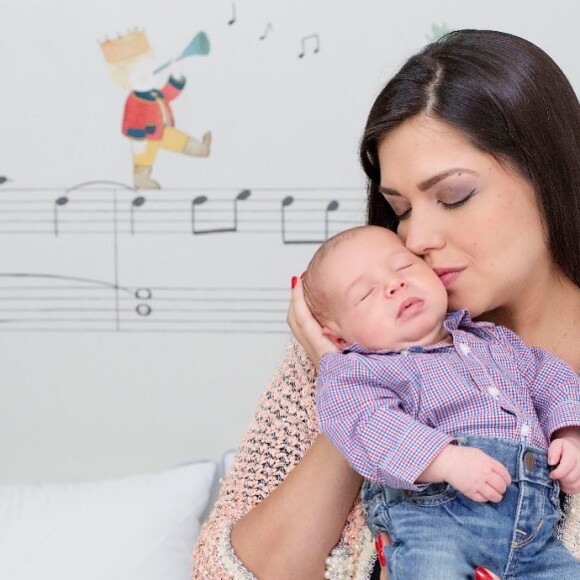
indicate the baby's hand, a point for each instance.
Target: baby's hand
{"x":565,"y":453}
{"x":477,"y":475}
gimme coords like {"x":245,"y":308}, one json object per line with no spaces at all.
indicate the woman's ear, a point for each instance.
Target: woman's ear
{"x":334,"y":336}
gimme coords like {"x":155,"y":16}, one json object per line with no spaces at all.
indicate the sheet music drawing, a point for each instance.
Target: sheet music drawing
{"x":332,"y":206}
{"x":58,"y":303}
{"x":137,"y":202}
{"x":269,"y":28}
{"x":202,"y":199}
{"x":310,"y":39}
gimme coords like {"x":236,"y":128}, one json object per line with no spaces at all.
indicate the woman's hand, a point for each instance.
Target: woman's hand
{"x":484,"y":574}
{"x":305,"y":327}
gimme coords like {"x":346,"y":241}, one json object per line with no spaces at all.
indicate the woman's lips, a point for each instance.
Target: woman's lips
{"x":448,"y":275}
{"x":409,"y":307}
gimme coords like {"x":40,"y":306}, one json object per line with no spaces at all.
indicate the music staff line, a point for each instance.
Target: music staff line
{"x":75,"y":307}
{"x":296,"y":218}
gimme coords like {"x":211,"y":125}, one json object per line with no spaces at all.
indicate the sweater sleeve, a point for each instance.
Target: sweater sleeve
{"x":282,"y":429}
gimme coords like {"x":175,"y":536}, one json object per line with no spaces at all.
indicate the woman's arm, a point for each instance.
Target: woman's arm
{"x":290,"y":533}
{"x":287,"y":494}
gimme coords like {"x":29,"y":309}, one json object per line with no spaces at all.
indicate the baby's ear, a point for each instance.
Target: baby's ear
{"x":335,"y":336}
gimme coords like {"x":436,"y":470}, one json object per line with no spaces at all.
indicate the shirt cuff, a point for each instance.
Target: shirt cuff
{"x":563,"y":415}
{"x":418,"y":447}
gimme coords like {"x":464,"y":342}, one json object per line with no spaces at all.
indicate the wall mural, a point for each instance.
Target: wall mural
{"x":61,"y":292}
{"x":148,"y":120}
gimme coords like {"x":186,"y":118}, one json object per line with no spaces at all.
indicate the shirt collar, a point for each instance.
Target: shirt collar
{"x":454,"y":321}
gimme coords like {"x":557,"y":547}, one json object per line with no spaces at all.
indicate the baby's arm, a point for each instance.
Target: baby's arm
{"x":470,"y":471}
{"x":362,"y":415}
{"x":564,"y":451}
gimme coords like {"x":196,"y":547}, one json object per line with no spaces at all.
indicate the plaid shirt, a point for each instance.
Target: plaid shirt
{"x":390,"y":413}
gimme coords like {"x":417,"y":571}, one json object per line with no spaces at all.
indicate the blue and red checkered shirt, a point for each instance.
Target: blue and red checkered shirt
{"x":391,"y":412}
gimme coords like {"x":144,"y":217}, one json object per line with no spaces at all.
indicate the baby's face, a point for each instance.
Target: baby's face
{"x":380,"y":294}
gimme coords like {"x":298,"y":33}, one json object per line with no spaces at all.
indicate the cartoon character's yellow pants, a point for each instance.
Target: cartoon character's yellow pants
{"x":172,"y":140}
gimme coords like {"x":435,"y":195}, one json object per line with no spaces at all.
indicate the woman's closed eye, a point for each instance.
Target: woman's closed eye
{"x":454,"y":203}
{"x":448,"y":201}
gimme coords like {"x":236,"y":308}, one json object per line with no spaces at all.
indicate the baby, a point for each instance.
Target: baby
{"x":453,"y":423}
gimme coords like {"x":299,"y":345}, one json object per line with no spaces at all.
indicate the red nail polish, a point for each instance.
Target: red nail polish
{"x":293,"y":281}
{"x":380,"y":551}
{"x":482,"y":574}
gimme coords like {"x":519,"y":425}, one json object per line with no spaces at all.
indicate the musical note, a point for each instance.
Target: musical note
{"x":233,"y":19}
{"x":50,"y":302}
{"x":120,"y":212}
{"x":59,"y":202}
{"x":313,"y":39}
{"x":332,"y":206}
{"x":268,"y":29}
{"x":287,"y":202}
{"x":137,"y":202}
{"x":143,"y":309}
{"x":201,"y":199}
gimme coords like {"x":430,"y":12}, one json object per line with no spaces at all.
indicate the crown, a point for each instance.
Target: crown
{"x":125,"y":47}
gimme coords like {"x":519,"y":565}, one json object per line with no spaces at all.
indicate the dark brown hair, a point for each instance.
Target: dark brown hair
{"x":512,"y":101}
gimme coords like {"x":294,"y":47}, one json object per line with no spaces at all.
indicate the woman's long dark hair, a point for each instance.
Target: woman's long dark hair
{"x":512,"y":101}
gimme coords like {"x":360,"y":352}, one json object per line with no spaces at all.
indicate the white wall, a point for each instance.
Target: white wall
{"x":95,"y":398}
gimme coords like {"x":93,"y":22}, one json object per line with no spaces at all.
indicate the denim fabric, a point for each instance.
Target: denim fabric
{"x":439,"y":533}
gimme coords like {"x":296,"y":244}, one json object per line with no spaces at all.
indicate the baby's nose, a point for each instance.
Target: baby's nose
{"x":395,"y":287}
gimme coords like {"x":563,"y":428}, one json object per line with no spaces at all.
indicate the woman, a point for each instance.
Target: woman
{"x":472,"y":152}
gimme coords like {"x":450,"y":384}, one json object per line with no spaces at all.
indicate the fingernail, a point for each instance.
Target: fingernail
{"x":293,"y":281}
{"x":482,"y":574}
{"x":380,"y":551}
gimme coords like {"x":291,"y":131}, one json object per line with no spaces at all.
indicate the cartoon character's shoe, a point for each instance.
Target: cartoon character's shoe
{"x":142,"y":179}
{"x":197,"y":148}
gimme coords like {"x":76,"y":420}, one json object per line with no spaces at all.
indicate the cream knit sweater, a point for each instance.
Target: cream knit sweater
{"x":281,"y":431}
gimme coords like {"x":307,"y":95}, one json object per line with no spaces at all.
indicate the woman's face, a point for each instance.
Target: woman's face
{"x":474,"y":221}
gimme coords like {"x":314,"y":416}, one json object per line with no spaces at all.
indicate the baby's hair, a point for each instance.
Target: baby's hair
{"x":314,"y":286}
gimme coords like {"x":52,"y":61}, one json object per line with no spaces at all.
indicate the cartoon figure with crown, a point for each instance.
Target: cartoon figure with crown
{"x":148,"y":119}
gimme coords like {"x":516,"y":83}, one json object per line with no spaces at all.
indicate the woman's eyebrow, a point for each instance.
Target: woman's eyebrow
{"x":430,"y":182}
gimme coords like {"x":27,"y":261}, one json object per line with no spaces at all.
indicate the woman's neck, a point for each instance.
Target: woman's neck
{"x":547,"y":316}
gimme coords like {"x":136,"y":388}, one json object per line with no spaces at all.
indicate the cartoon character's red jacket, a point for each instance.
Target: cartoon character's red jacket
{"x":148,"y":112}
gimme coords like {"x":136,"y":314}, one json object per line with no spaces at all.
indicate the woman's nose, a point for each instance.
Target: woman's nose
{"x":394,"y":287}
{"x":422,"y":233}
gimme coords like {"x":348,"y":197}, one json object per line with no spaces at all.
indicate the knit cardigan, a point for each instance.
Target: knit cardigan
{"x":283,"y":428}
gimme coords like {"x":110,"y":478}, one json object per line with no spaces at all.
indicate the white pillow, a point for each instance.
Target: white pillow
{"x":227,"y":461}
{"x":136,"y":528}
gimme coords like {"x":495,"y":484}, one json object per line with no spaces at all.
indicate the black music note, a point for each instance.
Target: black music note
{"x":233,"y":19}
{"x":137,"y":202}
{"x":268,"y":29}
{"x":332,"y":206}
{"x":59,"y":202}
{"x":201,"y":199}
{"x":315,"y":38}
{"x":288,"y":201}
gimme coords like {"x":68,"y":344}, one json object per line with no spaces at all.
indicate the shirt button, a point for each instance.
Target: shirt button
{"x":464,"y":348}
{"x":525,"y":430}
{"x":494,"y":392}
{"x":405,"y":352}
